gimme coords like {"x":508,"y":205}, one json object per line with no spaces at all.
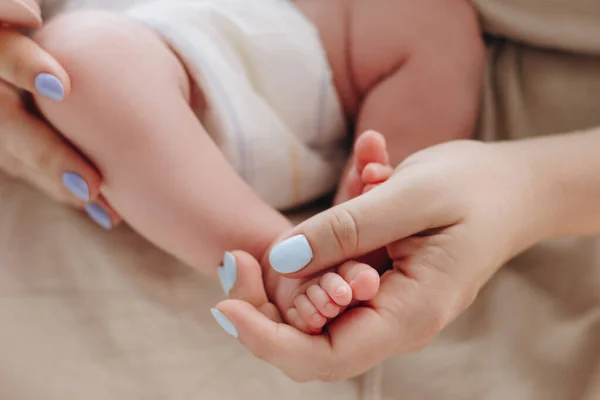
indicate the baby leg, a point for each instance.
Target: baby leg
{"x":129,"y":113}
{"x":310,"y":304}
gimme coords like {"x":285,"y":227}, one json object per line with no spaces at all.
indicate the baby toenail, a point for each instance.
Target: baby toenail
{"x":342,"y":290}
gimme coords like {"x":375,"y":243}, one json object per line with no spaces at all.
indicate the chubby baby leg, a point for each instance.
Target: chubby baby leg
{"x":129,"y":113}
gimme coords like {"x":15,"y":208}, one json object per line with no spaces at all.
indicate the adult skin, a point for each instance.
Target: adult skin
{"x":29,"y":148}
{"x":449,"y":217}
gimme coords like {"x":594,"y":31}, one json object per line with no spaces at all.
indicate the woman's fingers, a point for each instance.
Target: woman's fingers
{"x":43,"y":152}
{"x":31,"y":150}
{"x":241,"y":277}
{"x":394,"y":320}
{"x":20,"y":13}
{"x":301,"y":356}
{"x":361,"y":225}
{"x":38,"y":156}
{"x":26,"y":66}
{"x":22,"y":62}
{"x":102,"y":213}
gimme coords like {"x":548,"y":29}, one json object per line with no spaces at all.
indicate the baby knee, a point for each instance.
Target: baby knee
{"x":99,"y":49}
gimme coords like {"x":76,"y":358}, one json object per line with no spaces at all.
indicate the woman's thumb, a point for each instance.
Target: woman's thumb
{"x":349,"y":230}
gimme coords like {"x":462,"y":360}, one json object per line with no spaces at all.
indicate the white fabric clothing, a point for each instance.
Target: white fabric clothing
{"x":272,"y":106}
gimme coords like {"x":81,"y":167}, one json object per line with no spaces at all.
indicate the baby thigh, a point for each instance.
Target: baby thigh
{"x":128,"y":112}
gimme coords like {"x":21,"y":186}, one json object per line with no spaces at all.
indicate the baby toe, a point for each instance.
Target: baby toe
{"x":376,"y":173}
{"x":362,"y":278}
{"x":322,"y":301}
{"x":337,"y":288}
{"x":370,"y":147}
{"x":309,"y":313}
{"x":292,"y":317}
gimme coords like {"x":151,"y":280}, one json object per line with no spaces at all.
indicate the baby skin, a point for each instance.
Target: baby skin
{"x":129,"y":112}
{"x":317,"y":300}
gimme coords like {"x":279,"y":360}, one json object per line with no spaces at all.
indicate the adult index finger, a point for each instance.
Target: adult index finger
{"x":25,"y":65}
{"x":400,"y":207}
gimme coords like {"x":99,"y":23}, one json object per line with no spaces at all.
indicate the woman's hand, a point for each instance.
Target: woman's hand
{"x":29,"y":148}
{"x":449,"y":217}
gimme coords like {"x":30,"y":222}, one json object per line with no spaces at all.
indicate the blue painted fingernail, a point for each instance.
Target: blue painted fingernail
{"x":228,"y":272}
{"x":224,"y":322}
{"x":291,"y":255}
{"x":77,"y":185}
{"x":99,"y":216}
{"x":49,"y":86}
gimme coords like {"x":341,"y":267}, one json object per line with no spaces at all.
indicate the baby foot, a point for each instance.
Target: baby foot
{"x":368,"y":167}
{"x":353,"y":281}
{"x":306,"y":304}
{"x":309,"y":304}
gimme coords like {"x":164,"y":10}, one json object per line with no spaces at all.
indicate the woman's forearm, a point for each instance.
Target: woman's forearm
{"x":564,"y":189}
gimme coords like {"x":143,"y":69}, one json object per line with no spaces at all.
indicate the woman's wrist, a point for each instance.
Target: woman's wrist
{"x":560,"y":184}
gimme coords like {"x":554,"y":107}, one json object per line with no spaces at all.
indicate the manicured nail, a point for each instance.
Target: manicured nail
{"x":49,"y":86}
{"x":99,"y":216}
{"x":228,"y":272}
{"x":224,"y":322}
{"x":77,"y":185}
{"x":291,"y":255}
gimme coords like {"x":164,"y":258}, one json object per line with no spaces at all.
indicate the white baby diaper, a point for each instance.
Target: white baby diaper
{"x":272,"y":107}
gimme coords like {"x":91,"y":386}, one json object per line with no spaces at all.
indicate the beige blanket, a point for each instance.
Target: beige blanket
{"x":90,"y":315}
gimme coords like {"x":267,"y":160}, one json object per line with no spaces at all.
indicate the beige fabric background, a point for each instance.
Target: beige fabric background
{"x":90,"y":315}
{"x":534,"y":333}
